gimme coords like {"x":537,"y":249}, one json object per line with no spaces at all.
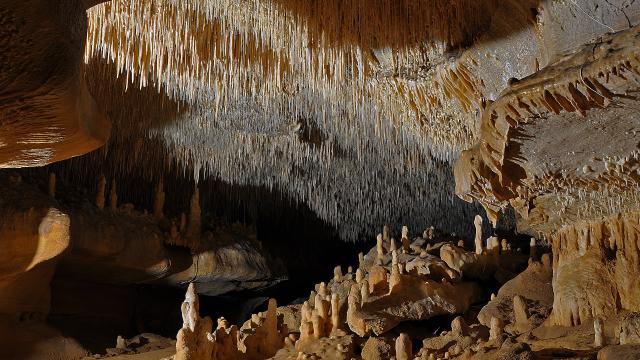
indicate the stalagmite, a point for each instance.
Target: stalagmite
{"x":113,"y":196}
{"x":194,"y":341}
{"x":322,"y":290}
{"x":459,"y":327}
{"x":520,"y":312}
{"x":478,"y":239}
{"x":533,"y":249}
{"x":598,"y":329}
{"x":354,"y":311}
{"x":379,"y":246}
{"x":190,"y":307}
{"x":364,"y":291}
{"x":273,"y":341}
{"x":305,"y":312}
{"x":361,"y":257}
{"x":335,"y":313}
{"x":318,"y":325}
{"x":306,"y":332}
{"x":493,"y":245}
{"x":386,"y":233}
{"x":404,"y":349}
{"x":394,"y":278}
{"x":158,"y":201}
{"x":323,"y":306}
{"x":359,"y":276}
{"x":312,"y":299}
{"x":52,"y":185}
{"x":337,"y":274}
{"x":496,"y":328}
{"x":394,"y":257}
{"x":120,"y":343}
{"x":377,"y":278}
{"x":393,"y":247}
{"x":406,"y":243}
{"x":100,"y":198}
{"x":504,"y":246}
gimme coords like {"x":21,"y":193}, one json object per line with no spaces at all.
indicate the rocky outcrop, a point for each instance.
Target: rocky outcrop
{"x":84,"y":245}
{"x":520,"y":157}
{"x":428,"y":299}
{"x":46,"y":111}
{"x":533,"y":287}
{"x":595,"y":269}
{"x":121,"y":247}
{"x":34,"y":232}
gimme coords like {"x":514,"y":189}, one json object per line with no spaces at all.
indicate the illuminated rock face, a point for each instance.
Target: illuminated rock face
{"x":596,"y":269}
{"x":33,"y":234}
{"x":41,"y":236}
{"x":46,"y":111}
{"x":523,"y":154}
{"x":539,"y":152}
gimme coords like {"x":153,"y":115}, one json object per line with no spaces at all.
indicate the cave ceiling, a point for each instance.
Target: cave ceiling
{"x":358,"y":109}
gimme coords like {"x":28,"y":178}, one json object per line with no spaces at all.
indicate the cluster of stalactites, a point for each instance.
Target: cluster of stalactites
{"x":308,"y":172}
{"x":256,"y":77}
{"x":214,"y":53}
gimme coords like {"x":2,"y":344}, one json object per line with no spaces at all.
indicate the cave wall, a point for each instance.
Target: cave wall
{"x":47,"y":113}
{"x":560,"y":146}
{"x":358,"y":130}
{"x":596,"y":267}
{"x":34,"y":232}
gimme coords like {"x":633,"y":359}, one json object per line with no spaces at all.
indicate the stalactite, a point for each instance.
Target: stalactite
{"x":250,"y":81}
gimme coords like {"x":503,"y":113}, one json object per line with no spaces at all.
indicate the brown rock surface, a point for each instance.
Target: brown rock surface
{"x":620,"y":352}
{"x":46,"y":111}
{"x":376,"y":348}
{"x":595,"y":264}
{"x":533,"y":285}
{"x":34,"y":232}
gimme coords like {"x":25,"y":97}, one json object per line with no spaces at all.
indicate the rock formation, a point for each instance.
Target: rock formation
{"x":478,"y":239}
{"x":356,"y":113}
{"x":403,"y":347}
{"x":34,"y":232}
{"x":194,"y":339}
{"x":47,"y":113}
